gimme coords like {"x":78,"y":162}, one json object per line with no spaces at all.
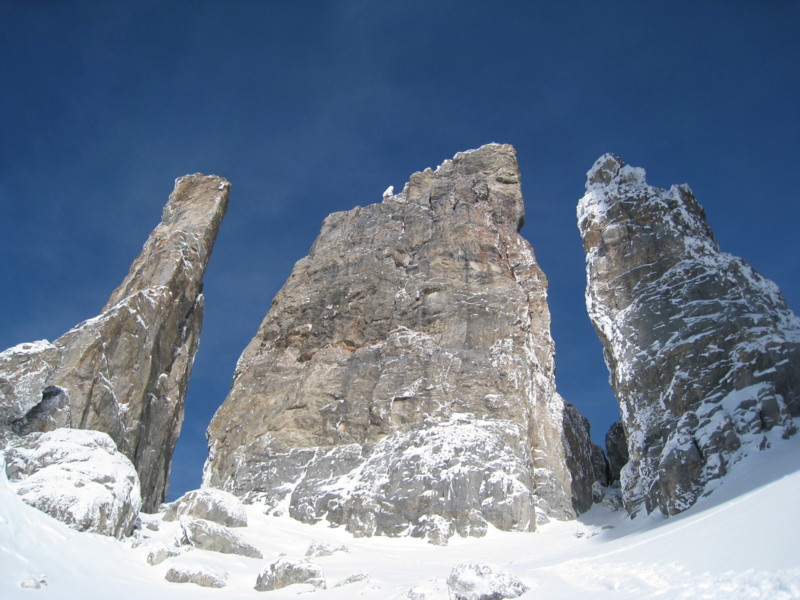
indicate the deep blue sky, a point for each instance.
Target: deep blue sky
{"x":313,"y":107}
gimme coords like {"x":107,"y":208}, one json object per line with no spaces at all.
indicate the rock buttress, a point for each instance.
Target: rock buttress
{"x":703,"y":352}
{"x":402,"y":381}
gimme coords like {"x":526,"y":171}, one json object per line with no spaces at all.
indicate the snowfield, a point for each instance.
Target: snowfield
{"x":741,"y":541}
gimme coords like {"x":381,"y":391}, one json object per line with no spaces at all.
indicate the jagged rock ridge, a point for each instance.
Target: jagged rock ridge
{"x":704,"y":353}
{"x":125,"y":372}
{"x":402,"y":381}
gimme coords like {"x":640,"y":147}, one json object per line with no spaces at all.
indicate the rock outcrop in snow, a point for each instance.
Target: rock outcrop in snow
{"x":78,"y":477}
{"x":704,"y":353}
{"x":209,"y":504}
{"x":402,"y":381}
{"x":125,"y":372}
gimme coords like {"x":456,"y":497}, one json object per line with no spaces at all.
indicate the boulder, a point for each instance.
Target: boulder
{"x":285,"y":572}
{"x":202,"y":576}
{"x":474,"y":581}
{"x":209,"y":504}
{"x":78,"y":477}
{"x":206,"y":535}
{"x":317,"y":548}
{"x":159,"y":552}
{"x":704,"y":352}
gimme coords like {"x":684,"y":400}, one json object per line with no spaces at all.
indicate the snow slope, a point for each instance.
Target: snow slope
{"x":742,"y":541}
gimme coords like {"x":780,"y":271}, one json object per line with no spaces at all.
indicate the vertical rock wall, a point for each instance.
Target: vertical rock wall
{"x":125,"y":372}
{"x":704,"y":353}
{"x":402,"y":381}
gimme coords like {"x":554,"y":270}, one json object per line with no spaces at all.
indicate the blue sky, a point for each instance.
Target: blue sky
{"x":313,"y":107}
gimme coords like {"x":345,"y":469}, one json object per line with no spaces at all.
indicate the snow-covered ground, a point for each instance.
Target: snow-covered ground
{"x":742,"y":541}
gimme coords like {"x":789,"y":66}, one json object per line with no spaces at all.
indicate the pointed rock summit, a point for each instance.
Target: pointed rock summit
{"x":704,"y":353}
{"x":125,"y":372}
{"x":402,"y":381}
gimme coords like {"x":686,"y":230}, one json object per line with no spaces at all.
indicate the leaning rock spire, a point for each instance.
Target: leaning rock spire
{"x":125,"y":372}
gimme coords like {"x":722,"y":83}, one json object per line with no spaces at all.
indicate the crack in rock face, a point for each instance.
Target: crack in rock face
{"x":402,"y":382}
{"x":704,"y":353}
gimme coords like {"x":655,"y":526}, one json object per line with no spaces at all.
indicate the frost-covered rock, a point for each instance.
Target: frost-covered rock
{"x":199,"y":575}
{"x":317,"y":548}
{"x":158,"y":552}
{"x":24,"y":372}
{"x":77,"y":477}
{"x":703,"y":351}
{"x":212,"y":505}
{"x":354,"y":578}
{"x":206,"y":535}
{"x":285,"y":572}
{"x":451,"y":476}
{"x":403,"y":378}
{"x":125,"y":372}
{"x":474,"y":581}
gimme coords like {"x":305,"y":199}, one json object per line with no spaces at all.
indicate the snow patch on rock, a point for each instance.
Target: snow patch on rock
{"x":78,"y":477}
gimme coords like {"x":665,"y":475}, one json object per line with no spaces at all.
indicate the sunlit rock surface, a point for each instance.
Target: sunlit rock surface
{"x":704,"y":353}
{"x":402,"y":382}
{"x":125,"y":372}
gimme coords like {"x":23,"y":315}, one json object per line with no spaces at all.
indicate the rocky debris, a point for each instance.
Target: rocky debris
{"x":206,"y":535}
{"x":433,"y":589}
{"x":34,"y":583}
{"x":474,"y":581}
{"x":159,"y":552}
{"x":286,"y":571}
{"x":317,"y":548}
{"x":704,"y":353}
{"x":125,"y":372}
{"x":354,"y":578}
{"x":209,"y":504}
{"x":403,"y":378}
{"x":202,"y":576}
{"x":77,"y":477}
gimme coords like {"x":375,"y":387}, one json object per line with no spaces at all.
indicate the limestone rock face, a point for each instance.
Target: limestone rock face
{"x":704,"y":353}
{"x":403,"y":378}
{"x":125,"y":372}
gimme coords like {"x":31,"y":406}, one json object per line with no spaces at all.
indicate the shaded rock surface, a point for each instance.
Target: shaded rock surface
{"x":125,"y":372}
{"x":403,"y":378}
{"x":77,"y":477}
{"x":209,"y":504}
{"x":704,"y":353}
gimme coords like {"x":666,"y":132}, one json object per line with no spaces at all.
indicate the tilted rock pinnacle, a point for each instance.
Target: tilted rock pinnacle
{"x":704,"y":353}
{"x":403,"y":378}
{"x":125,"y":372}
